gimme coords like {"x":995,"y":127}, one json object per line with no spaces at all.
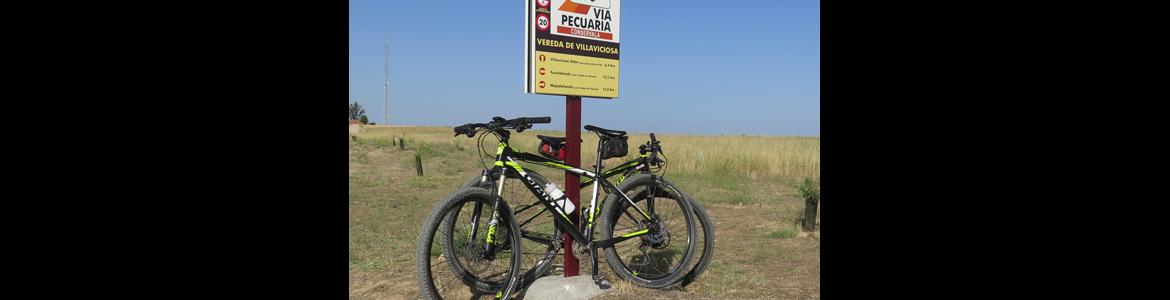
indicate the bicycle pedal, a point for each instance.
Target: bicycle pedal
{"x":602,"y":283}
{"x":580,"y":251}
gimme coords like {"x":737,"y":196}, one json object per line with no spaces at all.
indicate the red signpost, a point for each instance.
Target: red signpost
{"x":572,"y":180}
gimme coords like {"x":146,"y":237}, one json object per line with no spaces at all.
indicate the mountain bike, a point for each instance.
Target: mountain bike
{"x":651,"y":248}
{"x":540,"y":235}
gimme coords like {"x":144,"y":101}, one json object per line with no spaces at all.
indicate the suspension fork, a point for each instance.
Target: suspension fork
{"x":475,"y":220}
{"x":478,"y":207}
{"x":488,"y":246}
{"x":499,"y":195}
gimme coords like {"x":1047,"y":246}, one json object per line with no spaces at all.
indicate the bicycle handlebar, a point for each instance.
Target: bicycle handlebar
{"x":518,"y":124}
{"x":536,"y":120}
{"x":653,"y":147}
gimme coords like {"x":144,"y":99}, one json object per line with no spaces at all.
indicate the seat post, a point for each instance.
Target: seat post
{"x":597,"y":167}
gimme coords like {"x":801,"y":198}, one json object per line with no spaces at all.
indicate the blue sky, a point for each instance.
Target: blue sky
{"x":693,"y":67}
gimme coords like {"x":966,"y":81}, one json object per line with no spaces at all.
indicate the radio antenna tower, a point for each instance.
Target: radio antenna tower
{"x":386,"y":83}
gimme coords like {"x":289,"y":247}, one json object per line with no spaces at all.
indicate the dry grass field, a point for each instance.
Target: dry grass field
{"x":746,"y":183}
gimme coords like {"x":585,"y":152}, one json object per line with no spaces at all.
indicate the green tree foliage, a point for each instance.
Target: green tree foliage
{"x":356,"y":112}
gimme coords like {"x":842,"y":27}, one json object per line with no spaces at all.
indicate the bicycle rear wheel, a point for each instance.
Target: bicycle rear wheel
{"x":661,"y":251}
{"x":704,"y":239}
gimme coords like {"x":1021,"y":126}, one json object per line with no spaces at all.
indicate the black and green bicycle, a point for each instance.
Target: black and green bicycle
{"x":470,"y":245}
{"x":539,"y":236}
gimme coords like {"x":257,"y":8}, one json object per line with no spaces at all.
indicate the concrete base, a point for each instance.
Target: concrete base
{"x":559,"y":287}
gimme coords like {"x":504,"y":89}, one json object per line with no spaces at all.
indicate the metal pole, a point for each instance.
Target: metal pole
{"x":386,"y":83}
{"x":572,"y":181}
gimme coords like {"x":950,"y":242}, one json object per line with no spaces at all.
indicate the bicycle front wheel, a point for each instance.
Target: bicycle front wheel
{"x":540,"y":238}
{"x":455,"y":259}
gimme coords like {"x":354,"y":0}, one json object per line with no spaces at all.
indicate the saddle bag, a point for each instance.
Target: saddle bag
{"x":614,"y":147}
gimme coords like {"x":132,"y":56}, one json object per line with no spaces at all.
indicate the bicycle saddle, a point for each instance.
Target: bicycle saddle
{"x":551,"y":139}
{"x":606,"y":132}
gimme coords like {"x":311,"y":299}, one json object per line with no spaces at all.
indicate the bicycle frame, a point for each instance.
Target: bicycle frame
{"x":506,"y":158}
{"x":624,"y":169}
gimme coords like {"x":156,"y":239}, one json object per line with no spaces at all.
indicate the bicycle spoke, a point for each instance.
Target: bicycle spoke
{"x":656,"y":266}
{"x":630,"y":216}
{"x":434,"y":264}
{"x":443,"y":278}
{"x":497,"y":274}
{"x":446,"y":282}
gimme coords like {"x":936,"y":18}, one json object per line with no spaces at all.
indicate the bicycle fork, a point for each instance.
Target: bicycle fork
{"x":490,"y":236}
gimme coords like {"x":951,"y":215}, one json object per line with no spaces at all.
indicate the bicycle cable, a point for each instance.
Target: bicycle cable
{"x":663,"y":164}
{"x":482,"y":152}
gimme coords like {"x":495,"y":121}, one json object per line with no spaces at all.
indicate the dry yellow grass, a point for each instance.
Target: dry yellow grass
{"x":753,"y":156}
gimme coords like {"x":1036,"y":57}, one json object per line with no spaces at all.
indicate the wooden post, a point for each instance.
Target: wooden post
{"x":401,"y":144}
{"x":572,"y":180}
{"x":810,"y":213}
{"x":418,"y":164}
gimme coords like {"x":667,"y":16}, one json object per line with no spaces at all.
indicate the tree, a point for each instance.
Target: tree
{"x":356,"y":112}
{"x":365,"y":121}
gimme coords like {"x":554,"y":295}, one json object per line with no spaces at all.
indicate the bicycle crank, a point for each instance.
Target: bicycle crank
{"x":581,"y":251}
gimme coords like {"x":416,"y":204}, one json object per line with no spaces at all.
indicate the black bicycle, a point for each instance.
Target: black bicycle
{"x":647,"y":240}
{"x":541,"y":239}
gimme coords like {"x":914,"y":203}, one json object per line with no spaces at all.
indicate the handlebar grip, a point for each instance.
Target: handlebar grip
{"x":538,"y":120}
{"x":462,"y":129}
{"x":468,"y":129}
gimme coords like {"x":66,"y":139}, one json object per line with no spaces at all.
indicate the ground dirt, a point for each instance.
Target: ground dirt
{"x":388,"y":202}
